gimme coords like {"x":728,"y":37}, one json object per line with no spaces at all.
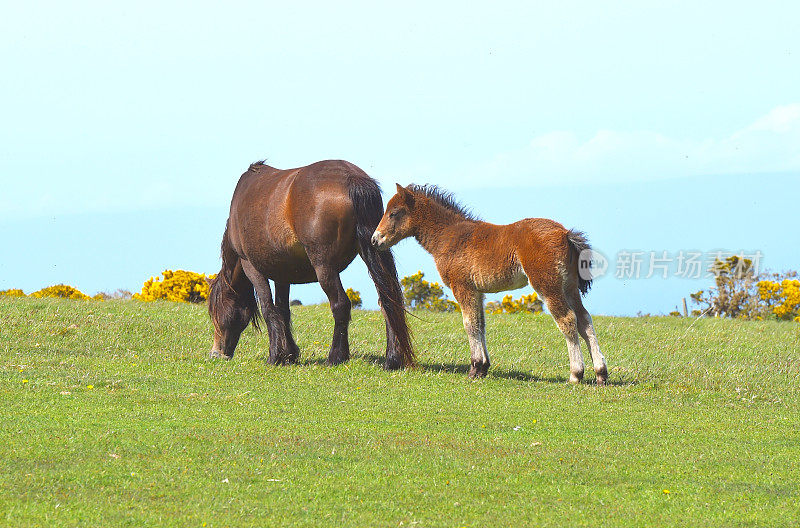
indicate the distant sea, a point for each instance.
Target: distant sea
{"x":106,"y":251}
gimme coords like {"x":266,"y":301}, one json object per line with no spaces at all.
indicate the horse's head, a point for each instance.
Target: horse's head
{"x":397,"y":222}
{"x":230,"y":311}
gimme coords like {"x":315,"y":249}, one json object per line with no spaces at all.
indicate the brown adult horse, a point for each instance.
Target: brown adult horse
{"x":475,"y":257}
{"x":298,"y":226}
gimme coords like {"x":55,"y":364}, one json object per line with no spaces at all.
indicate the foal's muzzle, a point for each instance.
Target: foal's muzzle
{"x":378,"y":240}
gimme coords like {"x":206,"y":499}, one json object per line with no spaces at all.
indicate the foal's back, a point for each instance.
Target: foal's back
{"x":495,"y":258}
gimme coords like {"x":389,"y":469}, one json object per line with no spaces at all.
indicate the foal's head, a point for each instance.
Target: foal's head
{"x":397,"y":222}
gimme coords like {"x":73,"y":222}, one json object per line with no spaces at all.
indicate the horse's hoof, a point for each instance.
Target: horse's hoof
{"x":393,"y":363}
{"x":294,"y":357}
{"x":216,"y":354}
{"x":575,"y":379}
{"x":288,"y":360}
{"x":332,"y":362}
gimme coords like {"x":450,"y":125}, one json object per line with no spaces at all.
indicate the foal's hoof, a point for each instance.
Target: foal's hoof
{"x":575,"y":379}
{"x":602,"y":378}
{"x":478,"y":371}
{"x":216,"y":354}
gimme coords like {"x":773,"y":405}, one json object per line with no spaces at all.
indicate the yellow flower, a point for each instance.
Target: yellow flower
{"x":89,"y":387}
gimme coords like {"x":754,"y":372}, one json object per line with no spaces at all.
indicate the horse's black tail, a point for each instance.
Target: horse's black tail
{"x":577,"y":244}
{"x":232,"y":297}
{"x":368,"y":209}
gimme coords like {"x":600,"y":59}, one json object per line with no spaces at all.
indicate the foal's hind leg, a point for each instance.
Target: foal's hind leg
{"x":567,"y":322}
{"x":586,"y":329}
{"x":276,"y":327}
{"x":471,"y":303}
{"x":282,"y":304}
{"x":340,"y":307}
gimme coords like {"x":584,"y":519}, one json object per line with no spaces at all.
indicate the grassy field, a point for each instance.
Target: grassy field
{"x":112,"y":415}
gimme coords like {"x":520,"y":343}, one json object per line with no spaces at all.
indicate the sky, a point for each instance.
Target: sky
{"x":651,"y":126}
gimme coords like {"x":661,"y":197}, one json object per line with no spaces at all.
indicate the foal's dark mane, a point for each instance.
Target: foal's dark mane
{"x":443,"y":198}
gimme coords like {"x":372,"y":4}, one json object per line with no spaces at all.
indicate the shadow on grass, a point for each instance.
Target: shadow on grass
{"x":463,"y":369}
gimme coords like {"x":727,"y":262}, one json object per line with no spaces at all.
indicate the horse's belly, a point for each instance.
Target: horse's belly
{"x":292,"y":271}
{"x":292,"y":265}
{"x":503,"y":280}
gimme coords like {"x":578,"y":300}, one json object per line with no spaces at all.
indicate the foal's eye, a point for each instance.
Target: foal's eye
{"x":394,"y":213}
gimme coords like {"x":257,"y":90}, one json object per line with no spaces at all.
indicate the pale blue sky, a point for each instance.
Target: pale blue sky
{"x":584,"y":112}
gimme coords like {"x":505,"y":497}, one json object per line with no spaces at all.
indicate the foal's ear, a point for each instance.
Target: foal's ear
{"x":407,"y":195}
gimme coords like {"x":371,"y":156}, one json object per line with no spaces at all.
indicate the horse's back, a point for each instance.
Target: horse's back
{"x":278,"y":216}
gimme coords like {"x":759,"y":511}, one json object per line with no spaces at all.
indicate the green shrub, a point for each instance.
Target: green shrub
{"x":740,"y":293}
{"x":527,"y":303}
{"x":354,"y":296}
{"x":421,"y":294}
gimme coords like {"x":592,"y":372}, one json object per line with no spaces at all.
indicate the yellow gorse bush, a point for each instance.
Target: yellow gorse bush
{"x":354,"y":296}
{"x":179,"y":286}
{"x":526,"y":303}
{"x":62,"y":291}
{"x":421,"y":294}
{"x":783,"y":297}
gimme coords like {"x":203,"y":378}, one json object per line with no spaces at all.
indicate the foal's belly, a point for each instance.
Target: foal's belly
{"x":501,"y":280}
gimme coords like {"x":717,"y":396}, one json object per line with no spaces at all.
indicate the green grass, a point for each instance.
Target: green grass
{"x":112,"y":415}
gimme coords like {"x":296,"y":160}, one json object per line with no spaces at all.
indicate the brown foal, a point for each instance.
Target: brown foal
{"x":475,"y":257}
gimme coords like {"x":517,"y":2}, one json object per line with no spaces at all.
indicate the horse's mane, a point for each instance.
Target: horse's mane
{"x":257,"y":165}
{"x":443,"y":198}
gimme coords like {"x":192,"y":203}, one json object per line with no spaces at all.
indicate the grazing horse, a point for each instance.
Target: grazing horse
{"x":299,"y":226}
{"x":475,"y":257}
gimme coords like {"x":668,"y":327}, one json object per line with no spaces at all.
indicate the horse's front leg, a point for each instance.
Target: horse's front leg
{"x":276,"y":326}
{"x":471,"y":303}
{"x":282,"y":304}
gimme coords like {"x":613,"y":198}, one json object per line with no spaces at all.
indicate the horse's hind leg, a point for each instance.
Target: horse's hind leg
{"x":340,"y":308}
{"x":282,"y":304}
{"x":471,"y":303}
{"x":586,"y":329}
{"x":393,"y":359}
{"x":276,"y":327}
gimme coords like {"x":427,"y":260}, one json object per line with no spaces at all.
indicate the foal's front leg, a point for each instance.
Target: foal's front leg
{"x":471,"y":302}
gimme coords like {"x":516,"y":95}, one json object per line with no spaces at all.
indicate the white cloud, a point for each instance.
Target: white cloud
{"x":782,"y":119}
{"x":770,"y":144}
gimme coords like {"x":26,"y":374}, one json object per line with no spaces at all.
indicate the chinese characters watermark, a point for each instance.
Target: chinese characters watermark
{"x":684,"y":264}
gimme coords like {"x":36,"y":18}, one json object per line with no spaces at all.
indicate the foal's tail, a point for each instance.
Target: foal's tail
{"x":368,"y":210}
{"x":577,"y":244}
